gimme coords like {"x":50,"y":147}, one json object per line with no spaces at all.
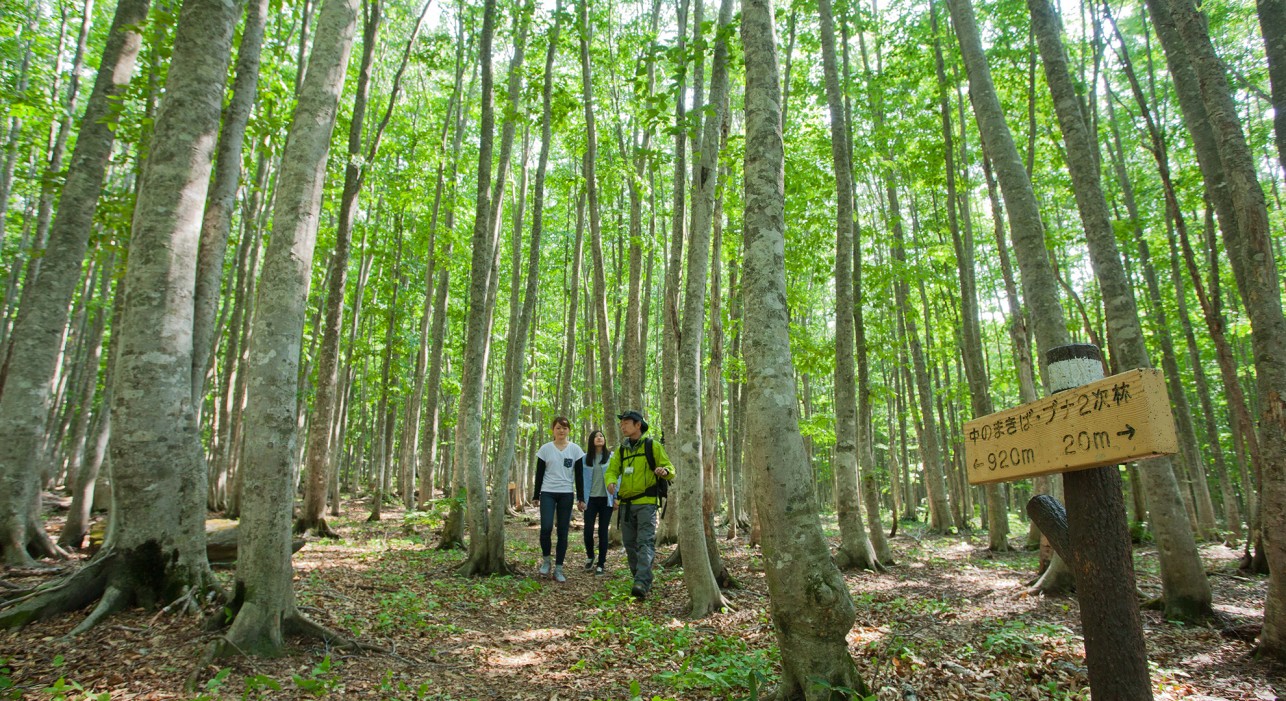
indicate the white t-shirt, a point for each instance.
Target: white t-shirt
{"x":560,"y":477}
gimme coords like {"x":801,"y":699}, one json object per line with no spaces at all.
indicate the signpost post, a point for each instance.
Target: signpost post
{"x":1088,"y":426}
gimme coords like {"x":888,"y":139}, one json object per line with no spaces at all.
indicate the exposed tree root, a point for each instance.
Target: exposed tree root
{"x":674,"y":560}
{"x":292,"y":624}
{"x":114,"y":599}
{"x":71,"y":593}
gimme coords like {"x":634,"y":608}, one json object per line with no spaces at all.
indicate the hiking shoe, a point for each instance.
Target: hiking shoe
{"x":598,"y":571}
{"x":545,"y":564}
{"x":589,"y":564}
{"x":558,"y":574}
{"x":638,"y":592}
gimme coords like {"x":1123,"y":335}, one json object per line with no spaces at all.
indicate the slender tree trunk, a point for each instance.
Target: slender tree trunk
{"x":809,"y":601}
{"x":1185,"y":590}
{"x":605,"y":354}
{"x":263,"y":605}
{"x":468,"y":432}
{"x":1250,"y":250}
{"x":217,"y":221}
{"x":703,"y":591}
{"x":492,"y":559}
{"x":37,"y":334}
{"x":1040,"y":290}
{"x":855,"y":550}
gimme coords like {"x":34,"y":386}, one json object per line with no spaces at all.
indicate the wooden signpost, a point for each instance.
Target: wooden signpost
{"x":1114,"y":420}
{"x":1088,"y":426}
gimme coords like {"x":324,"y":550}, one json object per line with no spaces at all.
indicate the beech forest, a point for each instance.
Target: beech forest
{"x":655,"y":350}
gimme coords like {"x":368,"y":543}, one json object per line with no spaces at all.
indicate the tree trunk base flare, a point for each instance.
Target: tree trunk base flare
{"x":486,"y":565}
{"x":1254,"y":561}
{"x":267,"y":636}
{"x":113,"y":579}
{"x":1055,"y":581}
{"x":840,"y":681}
{"x":319,"y":528}
{"x":675,"y":560}
{"x":861,"y":561}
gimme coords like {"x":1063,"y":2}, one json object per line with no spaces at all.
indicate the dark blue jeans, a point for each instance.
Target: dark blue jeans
{"x":597,"y":509}
{"x":551,"y":506}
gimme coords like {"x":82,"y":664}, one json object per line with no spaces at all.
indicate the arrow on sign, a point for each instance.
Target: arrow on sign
{"x":1128,"y":432}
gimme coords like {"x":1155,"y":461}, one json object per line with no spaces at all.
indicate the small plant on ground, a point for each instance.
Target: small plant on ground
{"x":322,"y":680}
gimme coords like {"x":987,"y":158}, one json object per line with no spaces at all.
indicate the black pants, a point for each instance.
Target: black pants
{"x":552,"y":505}
{"x":597,"y":509}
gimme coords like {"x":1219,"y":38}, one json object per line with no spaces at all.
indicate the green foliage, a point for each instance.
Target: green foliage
{"x":258,"y":687}
{"x":321,"y":680}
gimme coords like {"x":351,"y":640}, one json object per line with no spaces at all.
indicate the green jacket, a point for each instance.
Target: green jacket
{"x":630,"y":465}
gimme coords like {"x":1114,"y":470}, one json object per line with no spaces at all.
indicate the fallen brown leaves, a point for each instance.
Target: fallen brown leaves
{"x":950,"y":622}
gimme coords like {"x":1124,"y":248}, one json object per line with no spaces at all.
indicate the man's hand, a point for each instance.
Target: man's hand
{"x":611,"y":489}
{"x":580,"y":505}
{"x":661,"y":472}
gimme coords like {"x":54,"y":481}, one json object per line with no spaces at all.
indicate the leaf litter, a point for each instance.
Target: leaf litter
{"x":951,"y":621}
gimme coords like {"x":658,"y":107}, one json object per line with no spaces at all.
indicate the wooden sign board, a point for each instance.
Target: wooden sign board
{"x":1116,"y":419}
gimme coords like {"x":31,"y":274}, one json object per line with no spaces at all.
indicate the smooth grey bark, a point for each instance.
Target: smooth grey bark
{"x":605,"y":354}
{"x":217,"y":220}
{"x":82,"y":473}
{"x":704,"y":596}
{"x":468,"y":432}
{"x":1185,"y":590}
{"x":678,"y":233}
{"x":1189,"y":450}
{"x":855,"y":550}
{"x":491,"y":559}
{"x":155,"y":551}
{"x":37,"y":334}
{"x":1250,"y":251}
{"x":572,"y":295}
{"x":419,"y":410}
{"x":263,"y":598}
{"x":1039,"y":286}
{"x":808,"y":598}
{"x":970,"y":332}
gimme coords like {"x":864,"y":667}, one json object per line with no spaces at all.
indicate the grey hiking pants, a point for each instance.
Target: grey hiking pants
{"x":638,"y":531}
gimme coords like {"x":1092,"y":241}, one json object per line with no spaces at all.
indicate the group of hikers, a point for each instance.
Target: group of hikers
{"x":632,"y":478}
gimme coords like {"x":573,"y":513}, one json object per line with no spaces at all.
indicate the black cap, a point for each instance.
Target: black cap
{"x":635,"y":416}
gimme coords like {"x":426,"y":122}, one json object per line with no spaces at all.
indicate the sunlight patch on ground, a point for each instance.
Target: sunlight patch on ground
{"x":537,"y":634}
{"x":526,"y":658}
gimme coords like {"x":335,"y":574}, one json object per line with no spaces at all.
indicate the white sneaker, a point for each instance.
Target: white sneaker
{"x":558,"y":574}
{"x":545,"y":565}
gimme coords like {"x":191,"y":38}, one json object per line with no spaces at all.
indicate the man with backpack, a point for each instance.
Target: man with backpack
{"x":645,"y":472}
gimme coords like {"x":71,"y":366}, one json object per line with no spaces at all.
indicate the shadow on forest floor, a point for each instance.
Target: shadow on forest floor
{"x":951,"y":621}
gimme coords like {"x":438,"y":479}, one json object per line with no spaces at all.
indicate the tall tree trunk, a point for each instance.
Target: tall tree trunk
{"x":703,"y":591}
{"x":263,"y":602}
{"x":1272,"y":24}
{"x":468,"y":431}
{"x":37,"y":334}
{"x":1249,"y":245}
{"x":491,"y":559}
{"x":855,"y":550}
{"x":311,"y":515}
{"x":1185,"y":590}
{"x":809,"y":601}
{"x":605,"y":354}
{"x":970,"y":332}
{"x":156,"y":550}
{"x":1190,"y":451}
{"x":217,"y":220}
{"x":1040,"y":291}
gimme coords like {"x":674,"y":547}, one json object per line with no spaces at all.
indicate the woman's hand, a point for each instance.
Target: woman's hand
{"x":580,"y":505}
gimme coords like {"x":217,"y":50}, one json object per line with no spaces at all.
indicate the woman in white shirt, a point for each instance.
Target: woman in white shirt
{"x":557,"y":465}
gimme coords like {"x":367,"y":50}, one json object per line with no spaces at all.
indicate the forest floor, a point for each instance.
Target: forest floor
{"x":949,"y":621}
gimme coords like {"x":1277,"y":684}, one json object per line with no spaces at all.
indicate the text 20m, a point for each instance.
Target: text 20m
{"x":1014,"y":457}
{"x":1074,"y":443}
